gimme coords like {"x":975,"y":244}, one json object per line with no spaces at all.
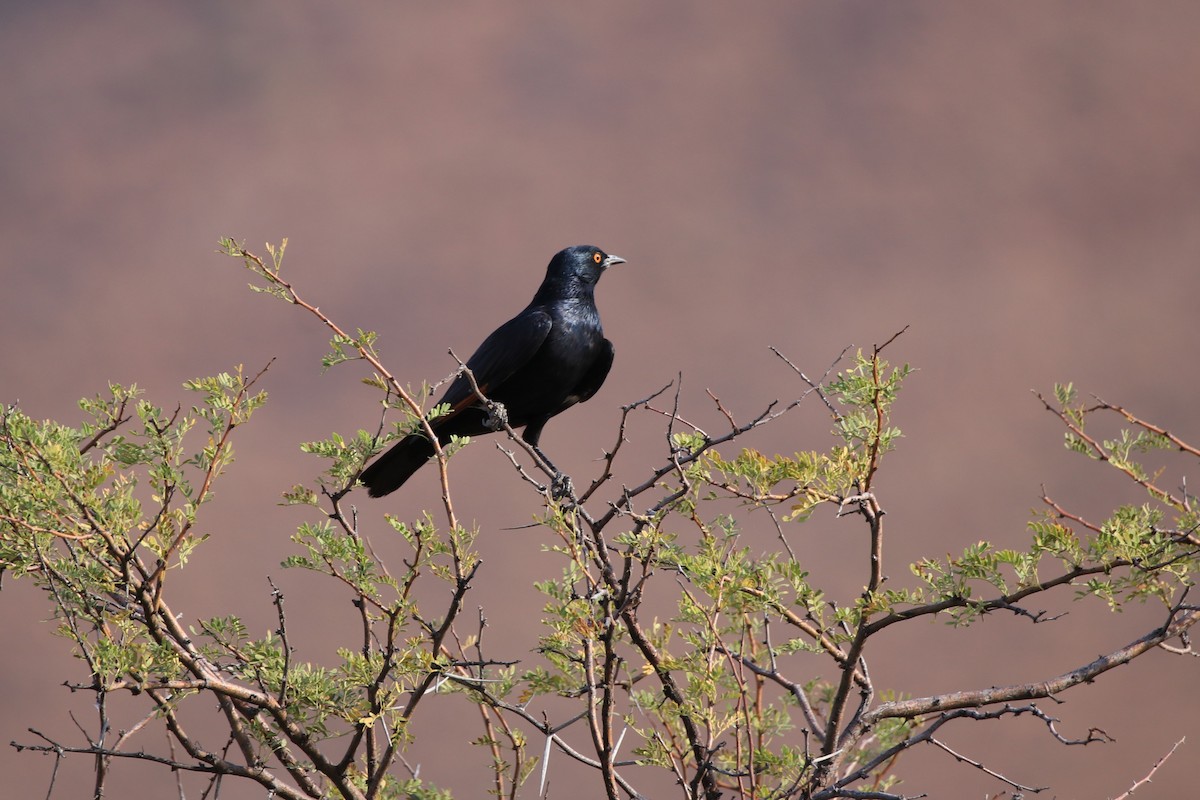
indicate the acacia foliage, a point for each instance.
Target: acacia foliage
{"x":750,"y":682}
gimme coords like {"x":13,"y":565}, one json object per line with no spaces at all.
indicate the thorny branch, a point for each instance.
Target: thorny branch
{"x":1146,"y":779}
{"x":272,"y":276}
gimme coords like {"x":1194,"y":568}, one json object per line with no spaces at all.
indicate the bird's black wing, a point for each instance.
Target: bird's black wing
{"x":506,"y":350}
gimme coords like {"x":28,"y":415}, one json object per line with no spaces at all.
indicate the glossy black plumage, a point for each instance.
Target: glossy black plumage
{"x":538,"y":364}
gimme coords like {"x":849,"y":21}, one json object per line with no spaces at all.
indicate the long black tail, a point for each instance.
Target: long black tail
{"x":393,"y":468}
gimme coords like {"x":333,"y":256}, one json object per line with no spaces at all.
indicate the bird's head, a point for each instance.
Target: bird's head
{"x":579,"y":266}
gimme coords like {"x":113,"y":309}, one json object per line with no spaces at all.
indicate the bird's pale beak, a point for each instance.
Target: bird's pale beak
{"x":610,"y":260}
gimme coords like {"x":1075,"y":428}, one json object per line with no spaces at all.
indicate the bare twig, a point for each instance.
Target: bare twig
{"x":1143,"y":781}
{"x":914,"y":707}
{"x":985,"y":769}
{"x":816,"y":386}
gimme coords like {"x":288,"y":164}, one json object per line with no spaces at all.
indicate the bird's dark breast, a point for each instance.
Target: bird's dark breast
{"x":549,"y":382}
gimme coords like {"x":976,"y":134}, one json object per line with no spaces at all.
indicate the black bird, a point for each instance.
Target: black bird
{"x":538,"y":364}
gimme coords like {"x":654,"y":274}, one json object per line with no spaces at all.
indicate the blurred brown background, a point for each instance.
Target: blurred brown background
{"x":1018,"y":182}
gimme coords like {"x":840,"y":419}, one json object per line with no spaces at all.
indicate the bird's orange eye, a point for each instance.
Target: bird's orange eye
{"x":596,"y":257}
